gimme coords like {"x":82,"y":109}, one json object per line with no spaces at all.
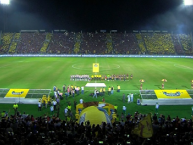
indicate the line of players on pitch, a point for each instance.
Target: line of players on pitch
{"x":101,"y":77}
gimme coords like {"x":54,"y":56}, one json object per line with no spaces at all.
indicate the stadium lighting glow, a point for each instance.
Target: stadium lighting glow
{"x":5,"y":2}
{"x":188,"y":2}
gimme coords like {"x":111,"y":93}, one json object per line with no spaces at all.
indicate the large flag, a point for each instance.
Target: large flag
{"x":144,"y":128}
{"x":95,"y":67}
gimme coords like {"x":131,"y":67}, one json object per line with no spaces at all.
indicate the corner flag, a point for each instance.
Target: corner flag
{"x":144,"y":128}
{"x":95,"y":67}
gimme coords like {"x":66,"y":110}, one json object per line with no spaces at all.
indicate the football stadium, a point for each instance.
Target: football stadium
{"x":110,"y":87}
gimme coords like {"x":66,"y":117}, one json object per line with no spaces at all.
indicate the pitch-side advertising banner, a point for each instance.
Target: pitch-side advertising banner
{"x":17,"y":93}
{"x":172,"y":94}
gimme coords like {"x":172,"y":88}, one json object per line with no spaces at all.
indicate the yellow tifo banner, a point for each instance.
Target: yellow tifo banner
{"x":172,"y":94}
{"x":95,"y":67}
{"x":17,"y":93}
{"x":144,"y":128}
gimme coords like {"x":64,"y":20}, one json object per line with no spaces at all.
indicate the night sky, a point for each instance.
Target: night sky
{"x":91,"y":15}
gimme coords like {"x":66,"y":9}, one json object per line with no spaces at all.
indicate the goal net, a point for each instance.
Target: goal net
{"x":190,"y":92}
{"x":3,"y":92}
{"x":148,"y":94}
{"x":38,"y":93}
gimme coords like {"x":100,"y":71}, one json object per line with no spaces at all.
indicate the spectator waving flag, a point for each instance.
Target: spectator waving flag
{"x":144,"y":128}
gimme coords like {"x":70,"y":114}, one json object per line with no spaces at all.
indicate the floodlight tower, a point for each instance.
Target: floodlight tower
{"x":4,"y":4}
{"x":188,"y":2}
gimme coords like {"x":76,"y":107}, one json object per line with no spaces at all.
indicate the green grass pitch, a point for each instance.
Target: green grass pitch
{"x":45,"y":72}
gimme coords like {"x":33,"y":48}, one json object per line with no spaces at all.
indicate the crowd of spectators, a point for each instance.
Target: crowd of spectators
{"x":30,"y":43}
{"x":109,"y":44}
{"x":186,"y":43}
{"x":177,"y":45}
{"x":140,"y":43}
{"x":6,"y":39}
{"x":17,"y":36}
{"x":21,"y":129}
{"x":125,"y":43}
{"x":77,"y":43}
{"x":13,"y":46}
{"x":45,"y":46}
{"x":96,"y":43}
{"x":62,"y":43}
{"x":159,"y":43}
{"x":93,"y":43}
{"x":46,"y":43}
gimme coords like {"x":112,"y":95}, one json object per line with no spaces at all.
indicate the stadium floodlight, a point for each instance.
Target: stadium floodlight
{"x":188,"y":2}
{"x":5,"y":2}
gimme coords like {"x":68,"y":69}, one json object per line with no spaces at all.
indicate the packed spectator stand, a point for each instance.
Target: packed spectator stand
{"x":62,"y":43}
{"x":159,"y":43}
{"x":36,"y":42}
{"x":6,"y":41}
{"x":21,"y":129}
{"x":177,"y":44}
{"x":125,"y":43}
{"x":186,"y":43}
{"x":30,"y":43}
{"x":93,"y":43}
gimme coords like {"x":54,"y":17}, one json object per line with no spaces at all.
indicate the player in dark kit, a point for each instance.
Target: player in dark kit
{"x":117,"y":78}
{"x":64,"y":88}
